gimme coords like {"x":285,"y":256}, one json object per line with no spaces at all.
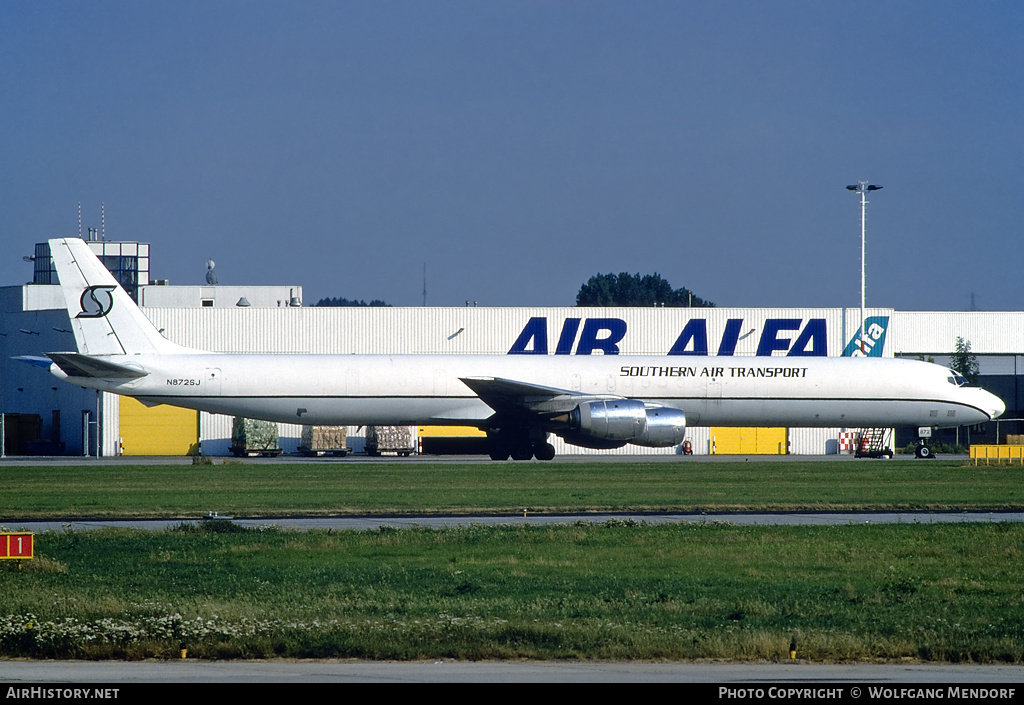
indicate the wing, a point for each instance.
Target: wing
{"x":511,"y":398}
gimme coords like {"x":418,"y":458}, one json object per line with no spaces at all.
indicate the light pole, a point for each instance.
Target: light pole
{"x":862,"y":187}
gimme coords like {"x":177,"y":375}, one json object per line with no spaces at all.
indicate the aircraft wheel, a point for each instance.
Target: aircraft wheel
{"x":499,"y":447}
{"x":544,"y":451}
{"x":523,"y":452}
{"x":923,"y":452}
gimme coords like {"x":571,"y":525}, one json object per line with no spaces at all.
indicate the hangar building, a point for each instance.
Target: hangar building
{"x":45,"y":416}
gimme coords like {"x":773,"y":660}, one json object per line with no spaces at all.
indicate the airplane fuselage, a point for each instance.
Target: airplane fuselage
{"x":421,"y":389}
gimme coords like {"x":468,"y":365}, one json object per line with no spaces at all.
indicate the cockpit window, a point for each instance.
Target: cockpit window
{"x":957,"y":379}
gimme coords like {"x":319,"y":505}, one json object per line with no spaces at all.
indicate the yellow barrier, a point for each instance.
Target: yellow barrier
{"x":997,"y":453}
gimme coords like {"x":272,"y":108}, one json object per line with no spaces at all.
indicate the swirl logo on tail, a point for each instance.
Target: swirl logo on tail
{"x":96,"y":301}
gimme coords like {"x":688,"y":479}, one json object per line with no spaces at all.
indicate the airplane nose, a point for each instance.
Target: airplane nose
{"x":996,"y":407}
{"x":984,"y":402}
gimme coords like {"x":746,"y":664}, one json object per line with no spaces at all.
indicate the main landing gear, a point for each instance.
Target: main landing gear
{"x":522,"y":445}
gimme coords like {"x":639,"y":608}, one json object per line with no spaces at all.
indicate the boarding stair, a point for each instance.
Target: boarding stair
{"x":874,"y":443}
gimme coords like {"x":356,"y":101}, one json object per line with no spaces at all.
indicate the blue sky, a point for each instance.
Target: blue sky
{"x":517,"y":147}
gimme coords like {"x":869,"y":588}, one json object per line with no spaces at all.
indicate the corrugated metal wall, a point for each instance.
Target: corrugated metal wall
{"x":935,"y":332}
{"x":471,"y":330}
{"x":814,"y":441}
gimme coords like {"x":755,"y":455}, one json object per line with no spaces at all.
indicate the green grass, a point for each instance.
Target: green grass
{"x":947,"y":593}
{"x":257,"y":489}
{"x":616,"y":590}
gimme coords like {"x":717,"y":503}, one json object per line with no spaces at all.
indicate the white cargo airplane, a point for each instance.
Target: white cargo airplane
{"x":599,"y":401}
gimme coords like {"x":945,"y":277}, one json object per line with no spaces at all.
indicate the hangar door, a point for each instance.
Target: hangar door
{"x":749,"y":441}
{"x":157,"y":430}
{"x":452,"y":440}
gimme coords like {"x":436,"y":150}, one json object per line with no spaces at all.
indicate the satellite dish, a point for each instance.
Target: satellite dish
{"x":211,"y":276}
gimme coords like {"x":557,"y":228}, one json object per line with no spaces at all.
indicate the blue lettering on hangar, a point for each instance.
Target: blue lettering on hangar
{"x":602,"y":334}
{"x":605,"y":334}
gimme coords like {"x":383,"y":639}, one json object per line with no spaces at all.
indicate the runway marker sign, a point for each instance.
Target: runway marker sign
{"x":19,"y":546}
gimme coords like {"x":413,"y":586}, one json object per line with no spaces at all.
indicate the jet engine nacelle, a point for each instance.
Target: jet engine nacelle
{"x":665,"y":427}
{"x":628,"y":421}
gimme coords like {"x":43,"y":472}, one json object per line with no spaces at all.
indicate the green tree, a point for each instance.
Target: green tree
{"x":349,"y":302}
{"x":964,"y":361}
{"x":635,"y":290}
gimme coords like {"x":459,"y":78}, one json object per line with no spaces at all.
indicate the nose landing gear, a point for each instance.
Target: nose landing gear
{"x":922,"y":450}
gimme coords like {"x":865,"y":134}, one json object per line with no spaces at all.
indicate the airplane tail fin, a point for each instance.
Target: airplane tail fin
{"x":104,"y":318}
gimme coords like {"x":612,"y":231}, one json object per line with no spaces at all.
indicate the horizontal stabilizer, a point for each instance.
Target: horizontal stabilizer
{"x":43,"y":362}
{"x":78,"y":365}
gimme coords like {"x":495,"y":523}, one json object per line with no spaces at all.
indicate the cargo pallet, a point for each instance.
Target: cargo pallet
{"x":317,"y":452}
{"x":240,"y":452}
{"x":321,"y":440}
{"x":400,"y":440}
